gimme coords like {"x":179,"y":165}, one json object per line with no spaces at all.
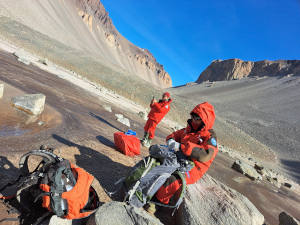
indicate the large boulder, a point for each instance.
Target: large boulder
{"x":1,"y":90}
{"x":119,"y":213}
{"x":246,"y":169}
{"x":210,"y":202}
{"x":285,"y":219}
{"x":32,"y":103}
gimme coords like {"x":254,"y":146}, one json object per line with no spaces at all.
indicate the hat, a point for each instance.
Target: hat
{"x":167,"y":94}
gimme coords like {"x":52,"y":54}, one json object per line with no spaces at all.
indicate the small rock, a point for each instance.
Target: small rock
{"x":119,"y":116}
{"x":143,"y":115}
{"x":44,"y":61}
{"x":59,"y":221}
{"x":119,"y":213}
{"x":251,"y":159}
{"x":246,"y":169}
{"x":107,"y":108}
{"x":41,"y":123}
{"x":287,"y":185}
{"x":1,"y":90}
{"x":123,"y":120}
{"x":285,"y":219}
{"x":32,"y":104}
{"x":258,"y":166}
{"x":274,"y":182}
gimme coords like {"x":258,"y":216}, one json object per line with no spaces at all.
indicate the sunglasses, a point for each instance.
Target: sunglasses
{"x":197,"y":118}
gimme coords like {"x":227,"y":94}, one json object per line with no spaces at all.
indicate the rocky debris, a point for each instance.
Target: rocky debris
{"x":31,"y":103}
{"x":285,"y":219}
{"x":235,"y":69}
{"x":1,"y":90}
{"x":23,"y":57}
{"x":257,"y":171}
{"x":44,"y":61}
{"x":143,"y":115}
{"x":107,"y":108}
{"x":120,"y":213}
{"x":190,"y":84}
{"x":258,"y":166}
{"x":123,"y":120}
{"x":210,"y":202}
{"x":246,"y":169}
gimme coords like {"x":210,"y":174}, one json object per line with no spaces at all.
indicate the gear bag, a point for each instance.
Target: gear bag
{"x":127,"y":143}
{"x":65,"y":190}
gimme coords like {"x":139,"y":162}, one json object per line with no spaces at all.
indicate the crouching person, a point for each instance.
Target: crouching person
{"x":157,"y":113}
{"x":197,"y":143}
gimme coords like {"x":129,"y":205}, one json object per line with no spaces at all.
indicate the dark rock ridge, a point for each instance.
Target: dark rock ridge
{"x":235,"y":69}
{"x":96,"y":9}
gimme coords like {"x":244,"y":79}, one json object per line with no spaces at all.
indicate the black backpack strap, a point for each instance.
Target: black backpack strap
{"x":57,"y":203}
{"x":48,"y":158}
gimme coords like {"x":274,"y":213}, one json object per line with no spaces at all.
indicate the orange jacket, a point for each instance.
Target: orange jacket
{"x":200,"y":146}
{"x":159,"y":110}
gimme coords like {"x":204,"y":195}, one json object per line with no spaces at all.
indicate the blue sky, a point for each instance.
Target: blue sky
{"x":185,"y":36}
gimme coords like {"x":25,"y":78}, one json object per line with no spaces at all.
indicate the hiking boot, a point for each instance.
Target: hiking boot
{"x":147,"y":143}
{"x":150,"y":208}
{"x":145,"y":138}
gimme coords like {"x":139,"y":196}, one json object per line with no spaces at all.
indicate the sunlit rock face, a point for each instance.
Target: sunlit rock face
{"x":85,"y":25}
{"x":235,"y":69}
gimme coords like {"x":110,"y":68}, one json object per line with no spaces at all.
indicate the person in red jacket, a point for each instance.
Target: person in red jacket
{"x":156,"y":114}
{"x":197,"y":143}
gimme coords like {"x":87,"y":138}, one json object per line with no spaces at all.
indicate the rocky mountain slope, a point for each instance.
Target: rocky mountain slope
{"x":265,"y":110}
{"x":235,"y":69}
{"x":86,"y":26}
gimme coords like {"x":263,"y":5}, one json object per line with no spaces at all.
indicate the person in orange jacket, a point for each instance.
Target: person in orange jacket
{"x":197,"y":143}
{"x":156,"y":114}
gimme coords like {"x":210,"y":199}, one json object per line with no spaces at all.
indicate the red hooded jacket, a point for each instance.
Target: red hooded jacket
{"x":159,"y":110}
{"x":200,"y":146}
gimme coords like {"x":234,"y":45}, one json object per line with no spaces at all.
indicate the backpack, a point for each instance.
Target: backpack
{"x":60,"y":187}
{"x":148,"y":175}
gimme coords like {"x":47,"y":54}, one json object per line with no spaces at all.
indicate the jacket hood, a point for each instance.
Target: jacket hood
{"x":207,"y":113}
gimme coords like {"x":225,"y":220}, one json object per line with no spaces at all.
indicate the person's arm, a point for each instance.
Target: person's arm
{"x":202,"y":153}
{"x":153,"y":102}
{"x":176,"y":135}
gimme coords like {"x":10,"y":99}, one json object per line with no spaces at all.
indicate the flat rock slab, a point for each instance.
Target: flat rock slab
{"x":32,"y":103}
{"x":1,"y":90}
{"x":119,"y":213}
{"x":211,"y":202}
